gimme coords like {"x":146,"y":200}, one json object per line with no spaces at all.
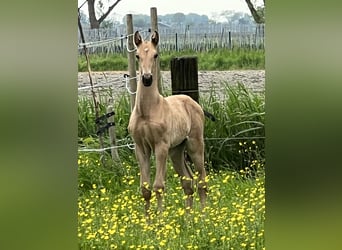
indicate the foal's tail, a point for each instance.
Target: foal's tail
{"x":209,"y":115}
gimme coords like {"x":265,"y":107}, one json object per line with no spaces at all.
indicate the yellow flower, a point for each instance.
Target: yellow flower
{"x":163,"y":243}
{"x":181,"y":211}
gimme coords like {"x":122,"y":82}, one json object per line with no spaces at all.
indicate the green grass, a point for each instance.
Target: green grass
{"x":215,"y":59}
{"x":112,"y":216}
{"x":237,"y":138}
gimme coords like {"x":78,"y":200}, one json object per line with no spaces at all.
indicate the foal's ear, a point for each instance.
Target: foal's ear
{"x":137,"y":39}
{"x":155,"y":38}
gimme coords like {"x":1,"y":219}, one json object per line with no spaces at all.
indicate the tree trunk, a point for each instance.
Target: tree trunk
{"x":257,"y":18}
{"x":94,"y":24}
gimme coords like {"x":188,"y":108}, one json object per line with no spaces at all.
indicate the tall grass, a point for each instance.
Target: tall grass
{"x":237,"y":138}
{"x":215,"y":59}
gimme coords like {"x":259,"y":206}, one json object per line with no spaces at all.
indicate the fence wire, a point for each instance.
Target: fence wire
{"x":175,"y":39}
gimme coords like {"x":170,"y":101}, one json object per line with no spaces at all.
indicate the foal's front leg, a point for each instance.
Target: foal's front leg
{"x":143,"y":158}
{"x":161,"y":152}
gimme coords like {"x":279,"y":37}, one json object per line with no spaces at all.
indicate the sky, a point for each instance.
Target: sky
{"x":202,"y":7}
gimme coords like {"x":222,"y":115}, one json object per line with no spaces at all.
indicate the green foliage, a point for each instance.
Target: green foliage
{"x":98,"y":167}
{"x":237,"y":138}
{"x":86,"y":115}
{"x":215,"y":59}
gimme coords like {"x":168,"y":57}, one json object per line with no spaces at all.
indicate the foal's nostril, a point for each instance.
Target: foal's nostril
{"x":147,"y":79}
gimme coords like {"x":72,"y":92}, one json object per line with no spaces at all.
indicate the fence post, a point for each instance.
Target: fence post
{"x":184,"y":76}
{"x":221,"y":39}
{"x":131,"y":59}
{"x":154,"y":27}
{"x":112,"y":136}
{"x":122,"y":45}
{"x":176,"y":42}
{"x":230,"y":40}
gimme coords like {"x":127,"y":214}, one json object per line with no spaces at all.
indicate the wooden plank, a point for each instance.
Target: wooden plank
{"x":184,"y":76}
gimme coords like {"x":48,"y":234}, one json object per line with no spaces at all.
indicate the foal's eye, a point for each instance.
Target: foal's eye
{"x":137,"y":56}
{"x":156,"y":55}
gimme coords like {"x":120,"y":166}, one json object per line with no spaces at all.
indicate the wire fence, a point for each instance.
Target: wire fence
{"x":196,"y":38}
{"x":132,"y":145}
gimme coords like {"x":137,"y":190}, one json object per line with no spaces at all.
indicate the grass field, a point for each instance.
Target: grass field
{"x":110,"y":207}
{"x":216,"y":59}
{"x":233,"y":219}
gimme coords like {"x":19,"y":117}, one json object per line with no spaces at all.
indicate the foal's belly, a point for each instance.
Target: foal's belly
{"x":149,"y":133}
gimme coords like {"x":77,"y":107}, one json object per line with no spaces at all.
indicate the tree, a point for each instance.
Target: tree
{"x":95,"y":22}
{"x":258,"y":13}
{"x":178,"y":18}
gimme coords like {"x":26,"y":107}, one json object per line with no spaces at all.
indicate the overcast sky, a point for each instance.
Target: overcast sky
{"x":206,"y":7}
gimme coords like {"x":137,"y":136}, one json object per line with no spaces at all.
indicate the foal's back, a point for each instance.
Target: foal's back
{"x":185,"y":106}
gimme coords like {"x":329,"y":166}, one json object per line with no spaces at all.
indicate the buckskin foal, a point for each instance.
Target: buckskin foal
{"x":165,"y":126}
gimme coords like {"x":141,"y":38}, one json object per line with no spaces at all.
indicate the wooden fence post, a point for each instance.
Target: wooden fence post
{"x":131,"y":59}
{"x":184,"y":76}
{"x":122,"y":45}
{"x":176,"y":42}
{"x":230,"y":40}
{"x":112,"y":136}
{"x":154,"y":27}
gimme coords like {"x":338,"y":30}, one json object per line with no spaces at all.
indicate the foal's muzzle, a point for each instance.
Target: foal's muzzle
{"x":147,"y":79}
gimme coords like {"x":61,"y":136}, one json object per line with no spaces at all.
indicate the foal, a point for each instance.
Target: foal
{"x":165,"y":126}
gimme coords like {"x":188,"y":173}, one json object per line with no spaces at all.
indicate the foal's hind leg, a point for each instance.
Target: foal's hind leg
{"x":195,"y":148}
{"x":178,"y":161}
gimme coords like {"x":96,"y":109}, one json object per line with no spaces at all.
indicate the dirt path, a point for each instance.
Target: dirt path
{"x":252,"y":79}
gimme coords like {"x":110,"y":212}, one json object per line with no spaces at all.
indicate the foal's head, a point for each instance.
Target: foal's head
{"x":146,"y":54}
